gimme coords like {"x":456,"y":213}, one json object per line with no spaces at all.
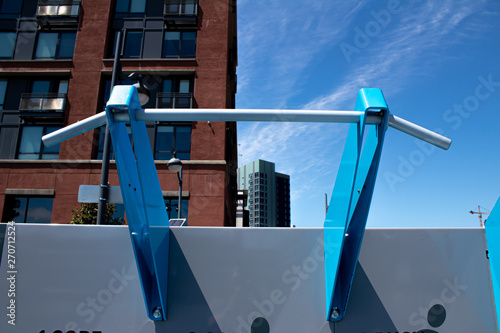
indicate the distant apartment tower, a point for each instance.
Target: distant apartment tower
{"x":268,"y":194}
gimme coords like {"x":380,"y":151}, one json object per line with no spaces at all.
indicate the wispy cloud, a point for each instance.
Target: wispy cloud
{"x":396,"y":55}
{"x":306,"y":152}
{"x":278,"y":40}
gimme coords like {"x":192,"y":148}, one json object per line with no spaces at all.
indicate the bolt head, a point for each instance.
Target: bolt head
{"x":157,"y":313}
{"x":335,"y":313}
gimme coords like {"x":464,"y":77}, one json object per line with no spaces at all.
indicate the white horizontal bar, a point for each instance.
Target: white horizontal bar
{"x":247,"y":115}
{"x":302,"y":116}
{"x":419,"y":132}
{"x":75,"y":129}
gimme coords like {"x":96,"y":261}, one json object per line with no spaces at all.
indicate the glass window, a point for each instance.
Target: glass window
{"x":52,"y":45}
{"x":190,"y":7}
{"x":3,"y":89}
{"x":10,"y":8}
{"x":183,"y":139}
{"x":31,"y":141}
{"x":133,"y":43}
{"x":122,"y":6}
{"x":28,"y":209}
{"x":7,"y":40}
{"x":40,"y":86}
{"x":184,"y":86}
{"x":188,"y":45}
{"x":165,"y":144}
{"x":31,"y":147}
{"x":63,"y":87}
{"x":130,"y":8}
{"x":137,"y":6}
{"x":67,"y":45}
{"x":47,"y":44}
{"x":179,"y":44}
{"x":167,"y":85}
{"x":172,"y":44}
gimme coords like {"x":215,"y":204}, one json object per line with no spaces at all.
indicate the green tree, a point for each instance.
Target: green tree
{"x":87,"y":214}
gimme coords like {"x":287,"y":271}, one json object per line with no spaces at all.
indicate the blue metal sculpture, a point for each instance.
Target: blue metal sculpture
{"x":350,"y":201}
{"x":143,"y":200}
{"x":492,"y":226}
{"x":148,"y":220}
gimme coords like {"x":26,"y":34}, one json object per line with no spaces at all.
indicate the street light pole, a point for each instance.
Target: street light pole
{"x":179,"y":177}
{"x":175,"y":165}
{"x":106,"y":153}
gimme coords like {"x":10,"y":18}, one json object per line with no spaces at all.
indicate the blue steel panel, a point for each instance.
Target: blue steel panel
{"x":142,"y":198}
{"x":350,"y":202}
{"x":492,"y":226}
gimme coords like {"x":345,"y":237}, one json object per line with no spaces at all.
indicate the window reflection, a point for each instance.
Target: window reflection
{"x":27,"y":209}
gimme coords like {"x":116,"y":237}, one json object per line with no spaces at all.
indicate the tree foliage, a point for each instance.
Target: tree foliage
{"x":87,"y":214}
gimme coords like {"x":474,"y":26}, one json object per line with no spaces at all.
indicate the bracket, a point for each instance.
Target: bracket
{"x":350,"y":201}
{"x":143,"y":199}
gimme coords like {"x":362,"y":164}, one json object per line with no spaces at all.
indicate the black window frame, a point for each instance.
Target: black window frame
{"x":7,"y":207}
{"x":43,"y":149}
{"x":4,"y":15}
{"x":180,"y":154}
{"x":181,"y":42}
{"x":128,"y":13}
{"x":57,"y":55}
{"x":13,"y":46}
{"x":162,"y":54}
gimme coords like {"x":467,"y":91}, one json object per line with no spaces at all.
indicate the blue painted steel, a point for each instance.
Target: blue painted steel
{"x":345,"y":221}
{"x":350,"y":201}
{"x":143,"y":199}
{"x":492,"y":226}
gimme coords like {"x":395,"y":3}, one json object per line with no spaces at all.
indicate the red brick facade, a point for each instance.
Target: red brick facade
{"x":209,"y":176}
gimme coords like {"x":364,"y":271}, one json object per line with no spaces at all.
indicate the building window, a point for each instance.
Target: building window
{"x":170,"y":139}
{"x":10,"y":8}
{"x":156,"y":43}
{"x":172,"y":207}
{"x":24,"y":209}
{"x":55,"y":45}
{"x":130,"y":8}
{"x":7,"y":40}
{"x":133,"y":44}
{"x":3,"y":89}
{"x":31,"y":147}
{"x":175,"y":93}
{"x":179,"y":44}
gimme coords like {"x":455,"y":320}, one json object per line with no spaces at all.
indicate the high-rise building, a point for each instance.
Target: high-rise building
{"x":56,"y":61}
{"x":268,"y":194}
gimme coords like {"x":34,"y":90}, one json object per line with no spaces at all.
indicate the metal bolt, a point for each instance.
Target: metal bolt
{"x":157,"y":313}
{"x":335,"y":313}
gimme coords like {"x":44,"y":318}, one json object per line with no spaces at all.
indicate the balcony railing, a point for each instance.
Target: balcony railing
{"x":47,"y":105}
{"x":174,"y":100}
{"x":52,"y":12}
{"x":183,"y":12}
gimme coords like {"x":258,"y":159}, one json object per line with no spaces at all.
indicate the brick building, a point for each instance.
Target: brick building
{"x":56,"y":63}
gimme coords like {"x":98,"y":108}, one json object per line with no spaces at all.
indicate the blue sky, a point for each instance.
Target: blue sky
{"x":437,"y":63}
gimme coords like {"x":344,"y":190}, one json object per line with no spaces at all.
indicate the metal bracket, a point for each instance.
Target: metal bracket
{"x":350,"y":201}
{"x":143,"y":199}
{"x":146,"y":214}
